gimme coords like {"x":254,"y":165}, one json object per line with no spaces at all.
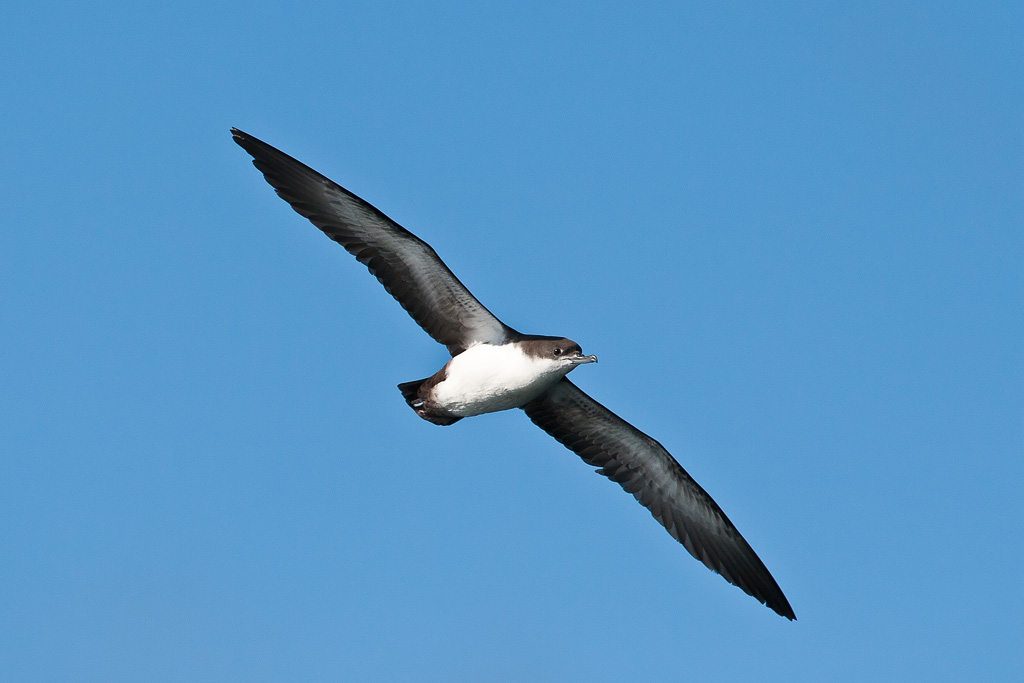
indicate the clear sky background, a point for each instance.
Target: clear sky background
{"x":793,"y":234}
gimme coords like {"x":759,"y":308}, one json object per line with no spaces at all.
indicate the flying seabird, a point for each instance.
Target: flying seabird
{"x":494,"y":367}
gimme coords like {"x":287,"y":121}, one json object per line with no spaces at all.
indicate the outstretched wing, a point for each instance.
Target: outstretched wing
{"x":644,"y":468}
{"x":408,"y":267}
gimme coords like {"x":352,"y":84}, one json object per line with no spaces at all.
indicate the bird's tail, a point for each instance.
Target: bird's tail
{"x":411,"y":393}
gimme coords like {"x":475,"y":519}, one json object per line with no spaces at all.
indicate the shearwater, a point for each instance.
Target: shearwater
{"x":494,"y":367}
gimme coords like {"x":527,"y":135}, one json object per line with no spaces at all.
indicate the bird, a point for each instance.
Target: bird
{"x":494,"y":367}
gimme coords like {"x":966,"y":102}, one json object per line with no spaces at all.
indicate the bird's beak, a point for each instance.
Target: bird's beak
{"x":581,"y":359}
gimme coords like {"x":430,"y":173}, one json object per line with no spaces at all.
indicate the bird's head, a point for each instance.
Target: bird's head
{"x":564,"y":353}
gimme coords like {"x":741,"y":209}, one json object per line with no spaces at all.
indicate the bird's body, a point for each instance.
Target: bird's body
{"x":486,"y":378}
{"x":494,"y":368}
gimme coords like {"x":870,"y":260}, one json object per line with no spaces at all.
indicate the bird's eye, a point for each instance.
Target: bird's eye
{"x":558,"y":352}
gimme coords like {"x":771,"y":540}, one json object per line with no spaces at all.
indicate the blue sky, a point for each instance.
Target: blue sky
{"x":792,"y":234}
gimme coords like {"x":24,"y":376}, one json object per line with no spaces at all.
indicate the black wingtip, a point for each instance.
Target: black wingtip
{"x":243,"y":139}
{"x":775,"y":600}
{"x":250,"y":142}
{"x":784,"y":610}
{"x":772,"y":597}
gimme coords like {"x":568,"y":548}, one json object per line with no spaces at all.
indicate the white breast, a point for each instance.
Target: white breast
{"x":485,"y":379}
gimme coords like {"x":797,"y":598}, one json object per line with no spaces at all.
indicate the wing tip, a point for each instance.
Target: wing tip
{"x":781,"y":607}
{"x":244,"y":140}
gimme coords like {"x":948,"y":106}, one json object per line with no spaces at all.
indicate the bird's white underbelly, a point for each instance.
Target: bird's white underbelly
{"x":485,"y":379}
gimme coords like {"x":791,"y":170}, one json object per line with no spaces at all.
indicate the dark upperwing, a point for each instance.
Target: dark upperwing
{"x":408,"y":267}
{"x":644,"y":468}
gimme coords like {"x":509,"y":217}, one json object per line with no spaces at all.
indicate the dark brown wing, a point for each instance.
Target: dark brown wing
{"x":407,"y":266}
{"x":644,"y":468}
